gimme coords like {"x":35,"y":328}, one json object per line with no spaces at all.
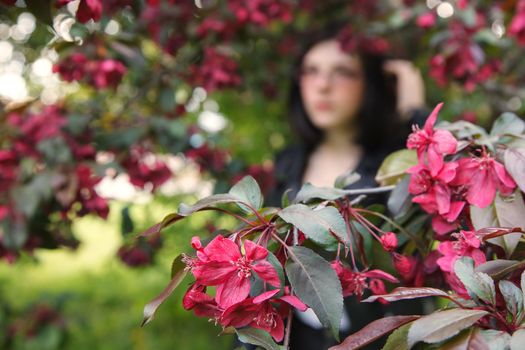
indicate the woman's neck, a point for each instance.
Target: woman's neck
{"x":340,"y":140}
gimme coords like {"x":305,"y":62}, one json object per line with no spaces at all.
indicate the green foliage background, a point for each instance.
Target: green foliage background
{"x":100,"y":299}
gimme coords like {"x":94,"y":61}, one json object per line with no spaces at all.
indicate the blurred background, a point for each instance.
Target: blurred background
{"x":114,"y":112}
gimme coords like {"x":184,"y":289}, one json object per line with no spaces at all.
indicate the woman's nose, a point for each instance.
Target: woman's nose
{"x":323,"y":82}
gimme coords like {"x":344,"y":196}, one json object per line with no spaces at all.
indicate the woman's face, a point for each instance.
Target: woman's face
{"x":332,"y":85}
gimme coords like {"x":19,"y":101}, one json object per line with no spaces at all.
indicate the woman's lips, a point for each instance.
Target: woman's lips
{"x":323,"y":106}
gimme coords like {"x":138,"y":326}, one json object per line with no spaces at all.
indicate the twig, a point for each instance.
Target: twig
{"x":288,"y":329}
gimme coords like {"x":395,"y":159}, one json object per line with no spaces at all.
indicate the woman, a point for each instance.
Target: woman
{"x":349,"y":111}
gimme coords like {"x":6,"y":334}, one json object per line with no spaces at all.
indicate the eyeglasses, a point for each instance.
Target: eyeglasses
{"x":338,"y":75}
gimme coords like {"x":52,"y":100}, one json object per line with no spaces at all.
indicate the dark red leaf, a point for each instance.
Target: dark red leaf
{"x":373,"y":331}
{"x":178,"y":272}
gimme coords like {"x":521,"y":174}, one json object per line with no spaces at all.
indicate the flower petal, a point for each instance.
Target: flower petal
{"x":435,"y":161}
{"x":265,"y":296}
{"x":240,"y":314}
{"x":267,"y":273}
{"x":381,"y":274}
{"x":213,"y":273}
{"x":222,"y":249}
{"x":443,"y":196}
{"x":277,"y":332}
{"x":254,"y":251}
{"x":431,"y":120}
{"x":503,"y":175}
{"x":444,"y":142}
{"x":295,"y":302}
{"x":482,"y":189}
{"x":442,"y":226}
{"x":235,"y":290}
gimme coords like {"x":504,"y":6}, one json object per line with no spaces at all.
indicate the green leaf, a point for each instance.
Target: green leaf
{"x":345,"y":180}
{"x":504,"y":212}
{"x":509,"y":211}
{"x":517,"y":341}
{"x":41,"y":9}
{"x":497,"y":269}
{"x":507,"y":123}
{"x":400,"y":201}
{"x":515,"y":164}
{"x":309,"y":192}
{"x":442,"y":325}
{"x":522,"y":283}
{"x":15,"y":233}
{"x":465,"y":130}
{"x":483,"y":217}
{"x":398,"y":339}
{"x":374,"y":331}
{"x":258,"y":337}
{"x":496,"y":340}
{"x":469,"y":339}
{"x":285,"y":198}
{"x":208,"y":202}
{"x":248,"y":191}
{"x":178,"y":271}
{"x":126,"y":223}
{"x":316,"y":284}
{"x":316,"y":224}
{"x":513,"y":297}
{"x":478,"y":284}
{"x":395,"y":166}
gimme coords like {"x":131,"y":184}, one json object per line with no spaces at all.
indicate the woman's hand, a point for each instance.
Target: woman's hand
{"x":410,"y":86}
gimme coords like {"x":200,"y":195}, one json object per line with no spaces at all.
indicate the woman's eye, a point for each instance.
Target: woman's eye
{"x":308,"y":71}
{"x":347,"y":73}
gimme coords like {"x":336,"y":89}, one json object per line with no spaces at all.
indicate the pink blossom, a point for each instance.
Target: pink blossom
{"x":107,"y":73}
{"x":466,"y":244}
{"x":355,"y":283}
{"x":223,"y":265}
{"x":201,"y":303}
{"x":260,"y":12}
{"x":431,"y":145}
{"x":89,"y":9}
{"x":216,"y":71}
{"x":389,"y":241}
{"x":259,"y":312}
{"x":72,"y":67}
{"x":517,"y":25}
{"x":426,"y":20}
{"x":404,"y":265}
{"x":142,"y":169}
{"x":483,"y":176}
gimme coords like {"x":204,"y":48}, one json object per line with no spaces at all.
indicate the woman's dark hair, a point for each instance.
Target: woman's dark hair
{"x":377,"y":121}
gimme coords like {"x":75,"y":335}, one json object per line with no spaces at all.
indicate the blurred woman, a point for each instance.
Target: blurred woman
{"x":349,"y":110}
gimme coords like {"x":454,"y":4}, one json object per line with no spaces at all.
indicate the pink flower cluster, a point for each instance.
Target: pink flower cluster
{"x":208,"y":159}
{"x":223,"y":265}
{"x":141,"y":252}
{"x":517,"y":25}
{"x":461,"y":58}
{"x":355,"y":283}
{"x":352,"y":42}
{"x":167,"y":21}
{"x":101,"y":74}
{"x":216,"y":71}
{"x":87,"y":9}
{"x":143,"y":168}
{"x":73,"y":185}
{"x":260,"y":12}
{"x":443,"y":188}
